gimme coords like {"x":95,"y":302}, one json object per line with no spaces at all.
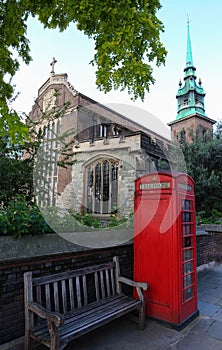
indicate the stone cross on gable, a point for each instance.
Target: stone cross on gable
{"x":53,"y":65}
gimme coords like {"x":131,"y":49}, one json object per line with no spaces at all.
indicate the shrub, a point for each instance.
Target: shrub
{"x":214,"y":218}
{"x":116,"y":221}
{"x":21,"y":218}
{"x":88,"y":220}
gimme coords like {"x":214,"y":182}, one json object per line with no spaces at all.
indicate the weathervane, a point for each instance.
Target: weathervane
{"x":53,"y":65}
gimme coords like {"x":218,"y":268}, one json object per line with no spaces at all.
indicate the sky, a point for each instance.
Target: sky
{"x":73,"y":52}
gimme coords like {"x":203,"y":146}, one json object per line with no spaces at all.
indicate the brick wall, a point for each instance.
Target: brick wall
{"x":209,"y":244}
{"x":192,"y":122}
{"x":11,"y":281}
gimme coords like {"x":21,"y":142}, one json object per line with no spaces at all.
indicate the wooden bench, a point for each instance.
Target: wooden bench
{"x":64,"y":306}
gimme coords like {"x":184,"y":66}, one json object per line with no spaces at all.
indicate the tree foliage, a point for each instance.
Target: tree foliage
{"x":19,"y":161}
{"x":204,"y":164}
{"x":126,"y":35}
{"x":19,"y":214}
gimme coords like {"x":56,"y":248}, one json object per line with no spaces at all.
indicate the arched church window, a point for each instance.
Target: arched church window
{"x":102,"y":186}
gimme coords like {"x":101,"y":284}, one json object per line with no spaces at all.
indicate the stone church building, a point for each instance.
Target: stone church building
{"x":109,"y":150}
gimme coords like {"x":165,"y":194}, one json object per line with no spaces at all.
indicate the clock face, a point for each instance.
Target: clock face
{"x":49,"y":100}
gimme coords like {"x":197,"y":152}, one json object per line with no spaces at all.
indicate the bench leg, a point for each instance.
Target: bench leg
{"x":27,"y":341}
{"x":54,"y":336}
{"x":142,"y":317}
{"x":54,"y":344}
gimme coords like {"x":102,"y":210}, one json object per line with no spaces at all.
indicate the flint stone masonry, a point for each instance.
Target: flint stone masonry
{"x":132,"y":165}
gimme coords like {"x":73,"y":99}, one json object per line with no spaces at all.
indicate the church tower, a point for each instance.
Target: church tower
{"x":191,"y":116}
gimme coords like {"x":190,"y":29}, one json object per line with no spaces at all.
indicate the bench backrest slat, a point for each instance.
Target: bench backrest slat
{"x":108,"y":284}
{"x":112,"y":281}
{"x":102,"y":284}
{"x":56,"y":296}
{"x":78,"y":292}
{"x":71,"y":293}
{"x":85,"y":291}
{"x":47,"y":296}
{"x":96,"y":285}
{"x":63,"y":292}
{"x":39,"y":294}
{"x":64,"y":297}
{"x":73,"y":273}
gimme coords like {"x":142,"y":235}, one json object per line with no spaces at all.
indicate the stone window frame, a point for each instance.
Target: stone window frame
{"x":95,"y":205}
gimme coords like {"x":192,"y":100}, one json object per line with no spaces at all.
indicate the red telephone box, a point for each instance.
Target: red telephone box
{"x":165,"y":245}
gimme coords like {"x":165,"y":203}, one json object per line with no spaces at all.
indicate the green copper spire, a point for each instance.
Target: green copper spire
{"x":189,"y":58}
{"x":190,"y":97}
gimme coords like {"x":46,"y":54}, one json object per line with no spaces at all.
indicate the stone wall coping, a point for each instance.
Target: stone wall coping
{"x":53,"y":244}
{"x":200,"y":231}
{"x":212,"y":227}
{"x":27,"y":247}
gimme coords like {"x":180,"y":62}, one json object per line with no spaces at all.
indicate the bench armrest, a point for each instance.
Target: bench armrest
{"x":138,"y":285}
{"x":51,"y":316}
{"x":132,"y":283}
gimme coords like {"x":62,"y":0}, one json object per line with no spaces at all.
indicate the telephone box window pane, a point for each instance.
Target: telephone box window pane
{"x":187,"y":242}
{"x":188,"y":280}
{"x":188,"y":267}
{"x":187,"y":205}
{"x":187,"y":254}
{"x":186,"y":217}
{"x":188,"y":293}
{"x":186,"y":229}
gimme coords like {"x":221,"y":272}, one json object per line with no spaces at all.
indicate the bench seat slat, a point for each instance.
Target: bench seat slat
{"x":91,"y":317}
{"x":96,"y":320}
{"x":76,"y":315}
{"x":77,"y":325}
{"x":89,"y":308}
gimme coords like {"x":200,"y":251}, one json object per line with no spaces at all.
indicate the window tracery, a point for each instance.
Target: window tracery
{"x":102,"y":186}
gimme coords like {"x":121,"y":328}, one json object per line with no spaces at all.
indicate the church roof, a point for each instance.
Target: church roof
{"x":138,"y":118}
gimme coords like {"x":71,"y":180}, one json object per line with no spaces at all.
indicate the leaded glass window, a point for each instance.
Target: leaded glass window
{"x":46,"y":167}
{"x":102,"y":186}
